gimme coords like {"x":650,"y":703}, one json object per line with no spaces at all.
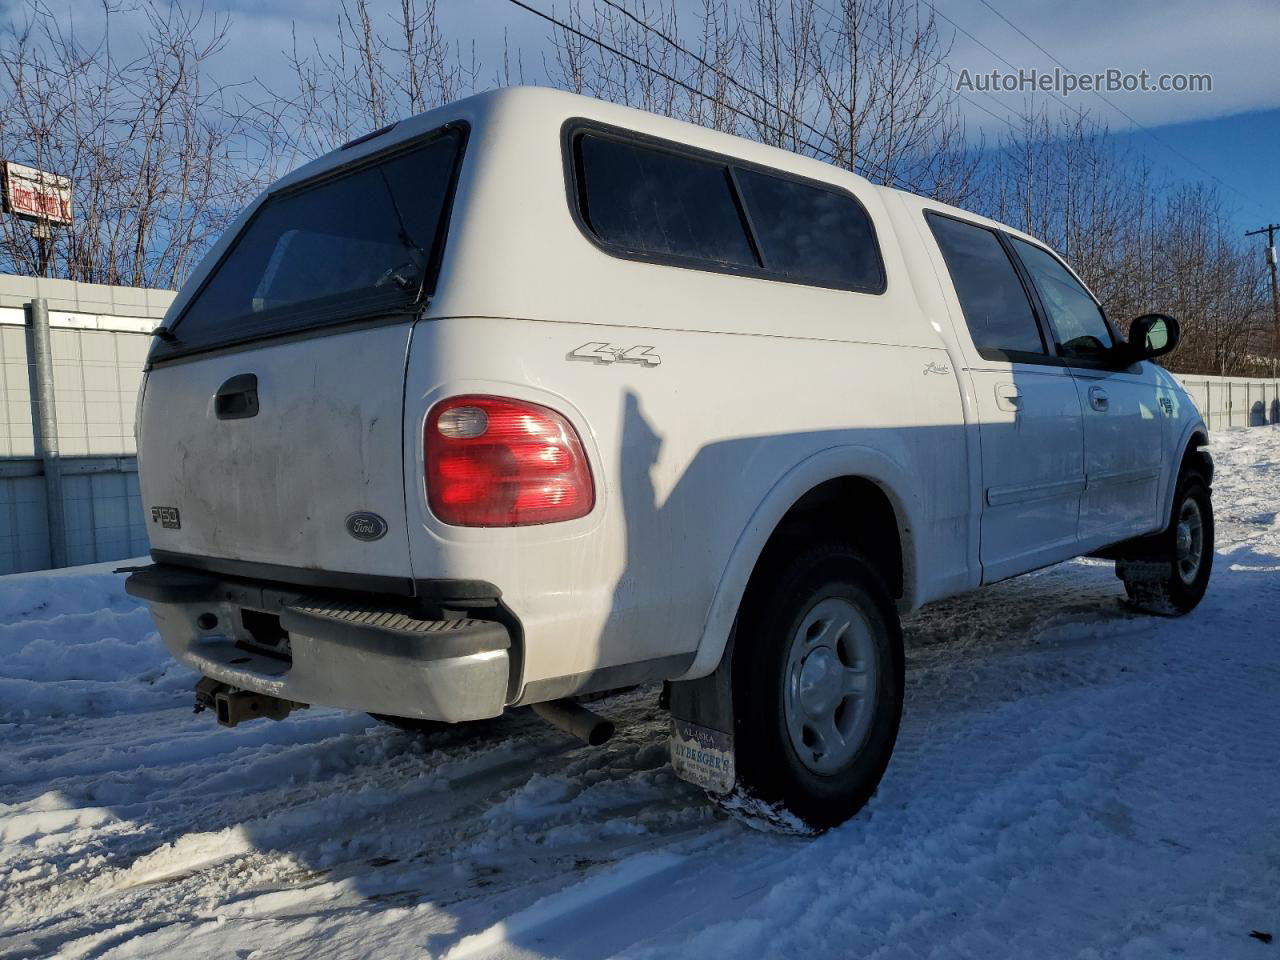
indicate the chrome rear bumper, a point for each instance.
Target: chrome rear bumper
{"x":328,"y":651}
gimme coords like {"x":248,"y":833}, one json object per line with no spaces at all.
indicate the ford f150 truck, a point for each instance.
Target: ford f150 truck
{"x":534,"y":396}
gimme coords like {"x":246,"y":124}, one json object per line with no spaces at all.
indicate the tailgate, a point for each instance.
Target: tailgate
{"x":278,"y":481}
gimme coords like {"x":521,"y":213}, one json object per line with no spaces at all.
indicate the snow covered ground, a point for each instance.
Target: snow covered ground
{"x":1073,"y":780}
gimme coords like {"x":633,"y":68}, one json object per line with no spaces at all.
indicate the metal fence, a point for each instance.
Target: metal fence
{"x":102,"y":512}
{"x":1234,"y":401}
{"x":98,"y":338}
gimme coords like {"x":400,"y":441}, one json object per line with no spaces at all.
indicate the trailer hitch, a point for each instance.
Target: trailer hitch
{"x":232,"y":706}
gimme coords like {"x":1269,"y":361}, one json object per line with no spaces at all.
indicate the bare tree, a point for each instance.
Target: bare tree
{"x":158,"y":162}
{"x":378,"y":71}
{"x":859,"y":83}
{"x":1209,"y":282}
{"x":885,"y":96}
{"x":161,"y":160}
{"x":642,"y":59}
{"x":1142,"y":244}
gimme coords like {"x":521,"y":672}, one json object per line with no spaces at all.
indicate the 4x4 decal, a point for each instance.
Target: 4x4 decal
{"x":598,"y":352}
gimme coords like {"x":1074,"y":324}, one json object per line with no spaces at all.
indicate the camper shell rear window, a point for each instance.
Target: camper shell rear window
{"x":359,"y":243}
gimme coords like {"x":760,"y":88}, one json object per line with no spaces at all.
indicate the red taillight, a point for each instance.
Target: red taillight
{"x":498,"y":462}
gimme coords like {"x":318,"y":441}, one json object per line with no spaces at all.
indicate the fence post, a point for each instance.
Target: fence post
{"x":45,"y":420}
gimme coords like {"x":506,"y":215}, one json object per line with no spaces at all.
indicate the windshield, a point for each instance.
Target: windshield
{"x":348,"y":246}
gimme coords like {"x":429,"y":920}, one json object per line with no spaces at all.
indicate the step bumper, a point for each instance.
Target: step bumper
{"x":329,"y":651}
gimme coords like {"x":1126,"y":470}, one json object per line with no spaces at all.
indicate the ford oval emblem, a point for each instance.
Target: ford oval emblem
{"x":366,"y":526}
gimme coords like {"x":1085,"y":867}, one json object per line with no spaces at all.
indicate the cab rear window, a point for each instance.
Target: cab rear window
{"x":360,"y":243}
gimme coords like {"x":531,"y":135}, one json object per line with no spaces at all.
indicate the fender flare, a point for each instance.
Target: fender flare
{"x":1184,"y":442}
{"x":828,"y":464}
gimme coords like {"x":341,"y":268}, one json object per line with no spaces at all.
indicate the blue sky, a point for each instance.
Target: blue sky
{"x":1231,"y":134}
{"x":1242,"y":150}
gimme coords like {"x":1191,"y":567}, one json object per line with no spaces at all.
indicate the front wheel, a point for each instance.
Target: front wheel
{"x":817,"y":685}
{"x":1169,"y":573}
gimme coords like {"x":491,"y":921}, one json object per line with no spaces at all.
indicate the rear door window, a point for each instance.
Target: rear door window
{"x":811,"y":235}
{"x":359,"y":243}
{"x":995,"y":303}
{"x":1078,"y":320}
{"x":659,"y":203}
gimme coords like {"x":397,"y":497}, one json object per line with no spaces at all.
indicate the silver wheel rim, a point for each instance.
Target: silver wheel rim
{"x":1188,"y":540}
{"x":830,"y":693}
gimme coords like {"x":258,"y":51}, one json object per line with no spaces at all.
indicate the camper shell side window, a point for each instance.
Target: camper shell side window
{"x":642,"y":198}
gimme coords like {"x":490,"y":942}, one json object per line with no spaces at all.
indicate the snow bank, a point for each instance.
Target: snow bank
{"x":73,"y":643}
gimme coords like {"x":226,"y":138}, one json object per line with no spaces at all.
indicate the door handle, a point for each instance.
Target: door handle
{"x":1098,"y":399}
{"x":1008,"y":397}
{"x":237,"y":399}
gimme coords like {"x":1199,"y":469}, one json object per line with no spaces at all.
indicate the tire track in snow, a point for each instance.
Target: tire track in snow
{"x":1071,"y":777}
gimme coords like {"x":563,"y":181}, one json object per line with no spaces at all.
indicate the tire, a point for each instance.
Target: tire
{"x":1169,"y":573}
{"x":806,"y":739}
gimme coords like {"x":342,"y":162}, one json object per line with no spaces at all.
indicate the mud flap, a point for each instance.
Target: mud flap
{"x":702,"y":756}
{"x":702,"y":728}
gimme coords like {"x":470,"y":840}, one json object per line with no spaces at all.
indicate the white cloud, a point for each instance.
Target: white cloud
{"x":1232,"y":40}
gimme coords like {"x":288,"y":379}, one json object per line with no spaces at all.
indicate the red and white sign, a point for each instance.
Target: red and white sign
{"x":36,"y":195}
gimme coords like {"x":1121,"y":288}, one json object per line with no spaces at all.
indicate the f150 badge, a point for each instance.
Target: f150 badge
{"x":167,"y":517}
{"x":598,"y":352}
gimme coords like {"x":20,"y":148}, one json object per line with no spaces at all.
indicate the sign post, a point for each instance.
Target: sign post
{"x":42,"y":199}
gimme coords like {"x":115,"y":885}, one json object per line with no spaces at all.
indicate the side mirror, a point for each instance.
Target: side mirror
{"x":1151,"y":335}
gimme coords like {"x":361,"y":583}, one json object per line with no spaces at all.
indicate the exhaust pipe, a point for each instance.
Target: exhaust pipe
{"x":574,"y":718}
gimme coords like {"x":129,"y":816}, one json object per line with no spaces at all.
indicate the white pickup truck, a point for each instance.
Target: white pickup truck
{"x":534,"y":396}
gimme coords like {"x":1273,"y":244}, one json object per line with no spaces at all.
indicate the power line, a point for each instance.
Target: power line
{"x":671,"y":41}
{"x":934,"y":62}
{"x":823,"y":153}
{"x":666,"y":76}
{"x":826,"y":135}
{"x":1149,"y":132}
{"x":939,"y":13}
{"x":1011,"y":66}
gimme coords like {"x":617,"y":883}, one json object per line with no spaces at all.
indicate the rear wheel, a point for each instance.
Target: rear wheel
{"x":1169,"y":573}
{"x":818,"y":685}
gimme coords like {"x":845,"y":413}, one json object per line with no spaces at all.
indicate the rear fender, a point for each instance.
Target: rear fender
{"x":829,"y":464}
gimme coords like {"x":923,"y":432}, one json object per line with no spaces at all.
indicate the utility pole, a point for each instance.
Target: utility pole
{"x":1270,"y":230}
{"x":46,"y":424}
